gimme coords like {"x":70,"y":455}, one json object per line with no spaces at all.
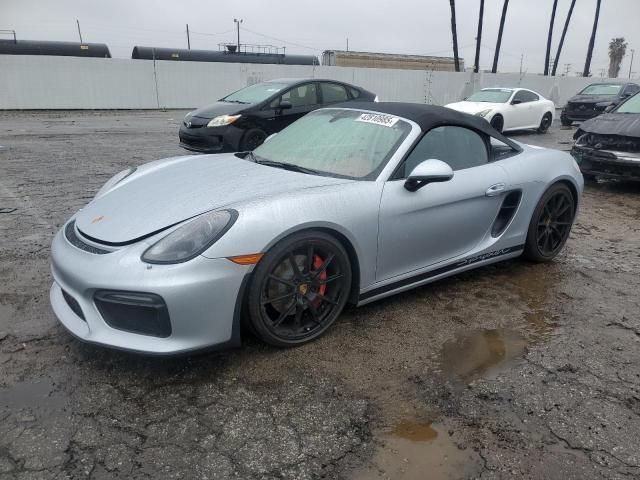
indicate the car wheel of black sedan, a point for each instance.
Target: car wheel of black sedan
{"x":545,"y":123}
{"x":551,"y":224}
{"x":565,"y":122}
{"x":252,"y":139}
{"x":299,"y":289}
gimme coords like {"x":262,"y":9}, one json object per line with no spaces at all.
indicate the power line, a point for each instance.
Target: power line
{"x":281,"y":40}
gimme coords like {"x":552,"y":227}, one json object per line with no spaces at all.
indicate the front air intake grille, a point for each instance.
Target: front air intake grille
{"x":73,"y":305}
{"x":136,"y":312}
{"x":72,"y":236}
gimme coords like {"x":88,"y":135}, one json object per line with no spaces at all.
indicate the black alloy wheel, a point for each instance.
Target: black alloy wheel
{"x":551,"y":224}
{"x":252,"y":139}
{"x":299,"y":289}
{"x":497,"y":122}
{"x":545,"y":123}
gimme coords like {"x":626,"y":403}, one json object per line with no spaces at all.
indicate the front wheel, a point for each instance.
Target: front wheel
{"x":497,"y":122}
{"x":550,"y":224}
{"x":299,"y":289}
{"x":252,"y":139}
{"x":545,"y":123}
{"x":565,"y":121}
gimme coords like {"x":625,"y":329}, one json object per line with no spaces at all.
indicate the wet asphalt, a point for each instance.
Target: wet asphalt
{"x":515,"y":370}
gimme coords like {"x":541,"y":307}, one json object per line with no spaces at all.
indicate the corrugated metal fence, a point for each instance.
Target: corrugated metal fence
{"x":36,"y":82}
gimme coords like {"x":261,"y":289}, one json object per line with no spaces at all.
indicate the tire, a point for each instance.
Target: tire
{"x":299,"y":289}
{"x":550,"y":224}
{"x":545,"y":123}
{"x":497,"y":122}
{"x":565,"y":121}
{"x":252,"y":139}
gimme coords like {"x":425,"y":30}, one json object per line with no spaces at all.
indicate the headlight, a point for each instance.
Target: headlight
{"x":484,"y":113}
{"x":191,"y":239}
{"x":223,"y":120}
{"x":117,"y":178}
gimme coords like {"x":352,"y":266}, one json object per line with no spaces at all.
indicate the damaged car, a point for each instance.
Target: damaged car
{"x":609,"y":145}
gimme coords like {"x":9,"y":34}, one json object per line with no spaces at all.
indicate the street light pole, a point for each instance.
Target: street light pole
{"x":631,"y":65}
{"x":238,"y":22}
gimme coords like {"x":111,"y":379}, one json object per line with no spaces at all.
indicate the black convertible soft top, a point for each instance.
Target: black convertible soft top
{"x":431,"y":116}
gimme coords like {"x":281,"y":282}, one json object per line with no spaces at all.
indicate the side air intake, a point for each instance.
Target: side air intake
{"x":507,"y":211}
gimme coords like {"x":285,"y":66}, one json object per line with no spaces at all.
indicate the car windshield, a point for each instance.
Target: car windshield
{"x":491,"y":95}
{"x":601,"y":89}
{"x":630,"y":106}
{"x":255,"y":93}
{"x":341,"y":143}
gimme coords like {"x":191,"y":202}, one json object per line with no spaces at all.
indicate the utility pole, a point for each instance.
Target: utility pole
{"x":631,"y":64}
{"x":553,"y":19}
{"x":79,"y":32}
{"x":188,"y":39}
{"x":347,"y":44}
{"x":567,"y":69}
{"x":238,"y":22}
{"x":476,"y":67}
{"x":521,"y":60}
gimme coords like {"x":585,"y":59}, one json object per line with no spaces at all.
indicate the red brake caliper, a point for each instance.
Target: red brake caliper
{"x":317,"y":263}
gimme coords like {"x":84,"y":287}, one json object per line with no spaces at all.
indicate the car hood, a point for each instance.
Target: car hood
{"x":624,"y":124}
{"x":220,"y":108}
{"x":592,"y":98}
{"x":164,"y":193}
{"x":474,"y":107}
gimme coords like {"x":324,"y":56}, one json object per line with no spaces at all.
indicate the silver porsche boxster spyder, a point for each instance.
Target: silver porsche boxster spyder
{"x":348,"y":204}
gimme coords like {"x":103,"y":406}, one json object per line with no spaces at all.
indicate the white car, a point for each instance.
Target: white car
{"x":509,"y":108}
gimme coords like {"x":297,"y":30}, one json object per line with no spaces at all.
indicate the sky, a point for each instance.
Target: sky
{"x":309,"y":27}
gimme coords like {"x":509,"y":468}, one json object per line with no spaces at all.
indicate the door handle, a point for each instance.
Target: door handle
{"x":496,"y":189}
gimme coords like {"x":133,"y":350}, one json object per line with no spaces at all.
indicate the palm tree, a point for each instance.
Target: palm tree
{"x":454,"y":33}
{"x":617,"y":51}
{"x":505,"y":5}
{"x":592,"y":41}
{"x":476,"y":65}
{"x":564,"y":33}
{"x":553,"y":19}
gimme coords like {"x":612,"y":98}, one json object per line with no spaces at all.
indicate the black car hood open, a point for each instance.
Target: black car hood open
{"x":592,"y":98}
{"x":624,"y":124}
{"x":220,"y":108}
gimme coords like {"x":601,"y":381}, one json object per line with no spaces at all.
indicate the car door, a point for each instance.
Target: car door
{"x":523,"y":111}
{"x":440,"y":221}
{"x":303,"y":99}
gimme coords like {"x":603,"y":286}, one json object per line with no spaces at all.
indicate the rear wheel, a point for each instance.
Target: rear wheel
{"x":299,"y":289}
{"x":545,"y":123}
{"x":550,"y":224}
{"x":497,"y":122}
{"x":252,"y":139}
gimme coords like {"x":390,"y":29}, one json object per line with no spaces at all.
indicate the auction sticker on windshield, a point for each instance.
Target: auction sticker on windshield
{"x":378,"y":119}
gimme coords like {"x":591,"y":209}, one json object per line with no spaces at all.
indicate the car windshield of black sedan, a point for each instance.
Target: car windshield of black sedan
{"x":255,"y":93}
{"x":630,"y":106}
{"x":491,"y":95}
{"x":341,"y":143}
{"x":601,"y":89}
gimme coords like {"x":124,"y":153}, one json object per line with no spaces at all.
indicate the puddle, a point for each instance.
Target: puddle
{"x":419,"y":451}
{"x":36,"y":396}
{"x":472,"y":354}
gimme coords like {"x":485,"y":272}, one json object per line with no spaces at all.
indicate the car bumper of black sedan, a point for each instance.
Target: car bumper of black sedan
{"x":607,"y":163}
{"x":211,"y":139}
{"x":580,"y":115}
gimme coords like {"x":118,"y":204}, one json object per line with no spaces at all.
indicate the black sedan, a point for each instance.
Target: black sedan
{"x":595,"y":99}
{"x":241,"y":121}
{"x":609,"y":145}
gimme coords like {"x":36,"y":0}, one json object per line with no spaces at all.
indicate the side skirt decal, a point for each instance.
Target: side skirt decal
{"x":439,"y":271}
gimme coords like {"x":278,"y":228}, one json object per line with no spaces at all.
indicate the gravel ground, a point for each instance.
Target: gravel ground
{"x":511,"y":371}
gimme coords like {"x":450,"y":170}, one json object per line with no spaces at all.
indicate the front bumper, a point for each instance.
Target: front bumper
{"x":580,"y":115}
{"x":211,"y":140}
{"x":607,"y":163}
{"x":202,"y":297}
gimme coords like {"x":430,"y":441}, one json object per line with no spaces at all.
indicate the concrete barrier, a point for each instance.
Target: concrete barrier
{"x":39,"y":82}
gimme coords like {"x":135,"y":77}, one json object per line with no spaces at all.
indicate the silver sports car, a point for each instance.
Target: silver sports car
{"x":348,"y":204}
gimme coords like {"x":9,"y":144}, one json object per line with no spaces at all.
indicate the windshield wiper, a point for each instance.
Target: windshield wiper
{"x":235,"y":101}
{"x":286,"y":166}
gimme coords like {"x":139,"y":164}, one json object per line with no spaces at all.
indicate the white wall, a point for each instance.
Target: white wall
{"x":42,"y":82}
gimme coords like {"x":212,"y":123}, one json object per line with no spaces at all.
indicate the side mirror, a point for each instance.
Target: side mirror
{"x":516,"y":102}
{"x":285,"y":105}
{"x":610,"y":107}
{"x":429,"y":171}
